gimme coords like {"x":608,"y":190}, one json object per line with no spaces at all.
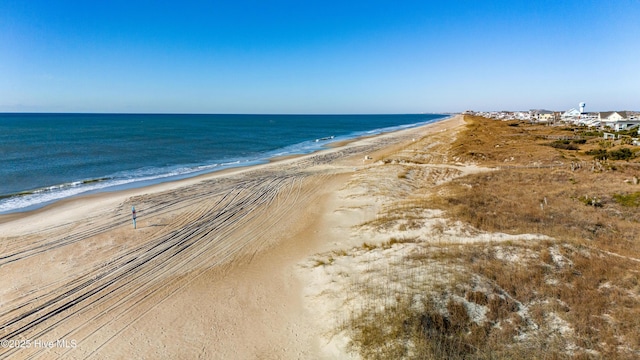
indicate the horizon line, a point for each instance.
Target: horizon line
{"x":182,"y":113}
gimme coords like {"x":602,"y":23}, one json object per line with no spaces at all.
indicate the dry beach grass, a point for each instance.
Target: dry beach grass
{"x":489,"y":243}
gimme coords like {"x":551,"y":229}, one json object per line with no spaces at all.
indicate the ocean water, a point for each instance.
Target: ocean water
{"x":48,"y":157}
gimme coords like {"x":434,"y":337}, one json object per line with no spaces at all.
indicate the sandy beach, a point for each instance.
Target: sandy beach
{"x":212,"y":270}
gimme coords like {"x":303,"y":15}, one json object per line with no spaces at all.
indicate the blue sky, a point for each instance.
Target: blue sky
{"x":318,"y":56}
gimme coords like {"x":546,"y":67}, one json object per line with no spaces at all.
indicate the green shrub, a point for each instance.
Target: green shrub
{"x":627,"y":141}
{"x":629,"y":132}
{"x":591,"y":201}
{"x":620,"y":154}
{"x":563,"y":144}
{"x":630,"y":200}
{"x":600,"y":154}
{"x":592,"y":133}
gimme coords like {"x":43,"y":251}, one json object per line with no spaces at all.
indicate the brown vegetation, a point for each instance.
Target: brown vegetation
{"x":575,"y":296}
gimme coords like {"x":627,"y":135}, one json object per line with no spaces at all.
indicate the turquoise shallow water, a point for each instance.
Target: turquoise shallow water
{"x":47,"y":157}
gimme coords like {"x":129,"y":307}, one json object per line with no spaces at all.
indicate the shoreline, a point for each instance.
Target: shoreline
{"x":92,"y":194}
{"x":234,"y":239}
{"x":141,"y":184}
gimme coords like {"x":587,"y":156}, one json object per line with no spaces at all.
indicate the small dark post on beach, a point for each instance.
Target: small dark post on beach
{"x":133,"y":215}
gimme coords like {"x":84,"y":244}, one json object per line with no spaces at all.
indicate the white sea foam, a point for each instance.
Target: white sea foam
{"x":145,"y":176}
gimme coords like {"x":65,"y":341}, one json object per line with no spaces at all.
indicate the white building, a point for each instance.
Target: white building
{"x":589,"y":119}
{"x":570,"y":115}
{"x":618,"y":120}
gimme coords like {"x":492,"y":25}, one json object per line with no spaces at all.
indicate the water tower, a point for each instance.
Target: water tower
{"x":582,"y":105}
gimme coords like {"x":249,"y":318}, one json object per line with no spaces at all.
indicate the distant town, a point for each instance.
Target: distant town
{"x":607,"y":121}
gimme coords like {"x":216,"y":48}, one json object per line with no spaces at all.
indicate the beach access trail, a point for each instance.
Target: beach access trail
{"x":210,"y":271}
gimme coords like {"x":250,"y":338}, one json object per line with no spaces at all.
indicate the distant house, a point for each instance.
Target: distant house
{"x":570,"y":115}
{"x":544,"y":116}
{"x":590,"y":119}
{"x":522,"y":115}
{"x":618,"y":120}
{"x":610,"y":116}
